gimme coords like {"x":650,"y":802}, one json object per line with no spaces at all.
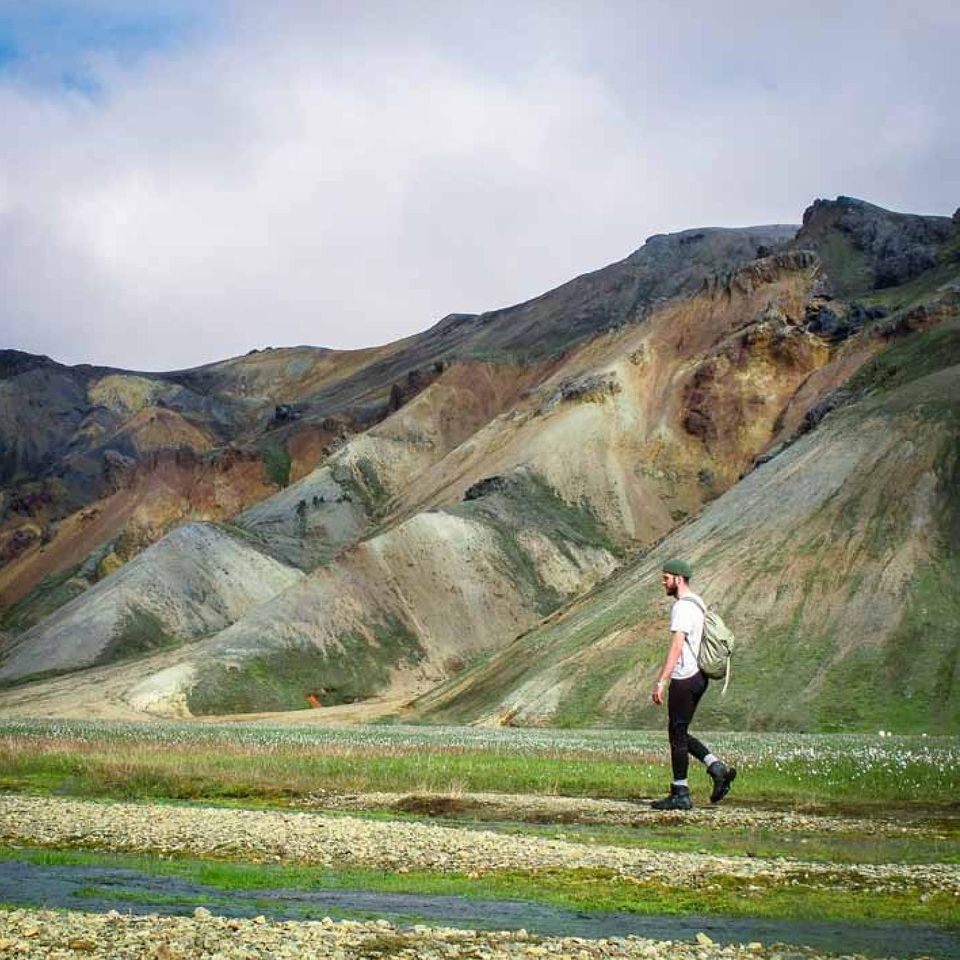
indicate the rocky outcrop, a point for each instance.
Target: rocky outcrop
{"x":866,"y":247}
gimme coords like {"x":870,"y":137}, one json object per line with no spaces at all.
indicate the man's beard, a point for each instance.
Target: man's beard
{"x":671,"y":590}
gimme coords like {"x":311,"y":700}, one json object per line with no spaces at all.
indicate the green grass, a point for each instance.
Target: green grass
{"x":283,"y":679}
{"x":276,"y":462}
{"x":843,"y":773}
{"x":914,"y":292}
{"x":910,"y":359}
{"x":594,"y":890}
{"x":767,"y":842}
{"x":140,"y":632}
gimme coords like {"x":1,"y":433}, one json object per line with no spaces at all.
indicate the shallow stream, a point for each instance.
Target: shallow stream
{"x":98,"y":889}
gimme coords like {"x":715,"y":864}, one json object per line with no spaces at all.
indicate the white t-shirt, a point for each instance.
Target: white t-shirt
{"x":687,"y":618}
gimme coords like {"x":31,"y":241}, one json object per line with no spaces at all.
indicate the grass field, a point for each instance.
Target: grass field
{"x":849,"y":803}
{"x":270,"y":764}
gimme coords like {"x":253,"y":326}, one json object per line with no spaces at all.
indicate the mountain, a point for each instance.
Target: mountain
{"x":471,"y":520}
{"x":836,"y":561}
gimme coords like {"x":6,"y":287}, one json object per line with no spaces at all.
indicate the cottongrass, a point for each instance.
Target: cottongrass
{"x":829,"y":761}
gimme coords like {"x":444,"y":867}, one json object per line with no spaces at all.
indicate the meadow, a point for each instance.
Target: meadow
{"x":273,"y":763}
{"x":874,"y":815}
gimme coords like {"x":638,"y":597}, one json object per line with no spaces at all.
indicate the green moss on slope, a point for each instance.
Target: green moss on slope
{"x":140,"y":632}
{"x":910,"y":359}
{"x":361,"y":483}
{"x":283,"y":679}
{"x":527,"y":503}
{"x":48,"y":595}
{"x":276,"y":463}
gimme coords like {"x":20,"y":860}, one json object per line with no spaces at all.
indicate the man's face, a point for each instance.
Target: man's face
{"x":670,"y":583}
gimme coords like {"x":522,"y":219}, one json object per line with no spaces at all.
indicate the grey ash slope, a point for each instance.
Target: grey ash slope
{"x":194,"y":582}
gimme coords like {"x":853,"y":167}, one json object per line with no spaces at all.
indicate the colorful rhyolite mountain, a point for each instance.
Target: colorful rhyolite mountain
{"x":468,"y":524}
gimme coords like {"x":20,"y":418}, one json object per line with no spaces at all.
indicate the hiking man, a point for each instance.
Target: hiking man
{"x":687,"y":686}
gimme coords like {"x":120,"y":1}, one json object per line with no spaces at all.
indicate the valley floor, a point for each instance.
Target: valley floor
{"x":33,"y":826}
{"x":173,"y":841}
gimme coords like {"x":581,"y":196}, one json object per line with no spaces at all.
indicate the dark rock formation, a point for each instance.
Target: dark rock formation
{"x":866,"y":247}
{"x":415,"y":382}
{"x":488,"y":486}
{"x":117,"y":469}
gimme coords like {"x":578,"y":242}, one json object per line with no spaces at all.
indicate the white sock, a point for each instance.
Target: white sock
{"x":680,"y":783}
{"x":710,"y":758}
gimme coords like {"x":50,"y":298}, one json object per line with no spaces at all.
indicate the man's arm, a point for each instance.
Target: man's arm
{"x":673,"y":655}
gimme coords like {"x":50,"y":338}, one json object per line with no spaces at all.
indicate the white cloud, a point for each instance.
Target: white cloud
{"x":322,"y":176}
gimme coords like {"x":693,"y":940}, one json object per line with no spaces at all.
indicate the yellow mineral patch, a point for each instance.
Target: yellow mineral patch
{"x":109,"y":564}
{"x":154,"y":428}
{"x":124,"y":395}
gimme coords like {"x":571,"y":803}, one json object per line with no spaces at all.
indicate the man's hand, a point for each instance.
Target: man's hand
{"x":657,"y":695}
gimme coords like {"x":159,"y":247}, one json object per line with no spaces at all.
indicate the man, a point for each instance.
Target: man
{"x":687,"y":686}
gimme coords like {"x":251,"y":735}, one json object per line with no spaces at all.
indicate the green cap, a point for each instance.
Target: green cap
{"x":679,"y":568}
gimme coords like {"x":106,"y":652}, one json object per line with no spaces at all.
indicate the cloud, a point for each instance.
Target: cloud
{"x":321,"y":173}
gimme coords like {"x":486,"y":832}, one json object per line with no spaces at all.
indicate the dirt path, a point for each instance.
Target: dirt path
{"x":536,"y":808}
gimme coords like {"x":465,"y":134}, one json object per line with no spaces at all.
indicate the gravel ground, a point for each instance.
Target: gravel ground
{"x":529,"y":807}
{"x":68,"y":935}
{"x":340,"y":841}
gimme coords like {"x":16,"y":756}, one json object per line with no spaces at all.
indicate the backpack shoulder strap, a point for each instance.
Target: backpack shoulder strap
{"x":703,"y":610}
{"x":696,"y":603}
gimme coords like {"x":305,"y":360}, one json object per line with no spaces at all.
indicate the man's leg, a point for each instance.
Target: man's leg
{"x":721,"y":774}
{"x":682,"y":703}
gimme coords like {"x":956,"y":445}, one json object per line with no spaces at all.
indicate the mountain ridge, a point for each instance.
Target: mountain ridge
{"x":452,"y":490}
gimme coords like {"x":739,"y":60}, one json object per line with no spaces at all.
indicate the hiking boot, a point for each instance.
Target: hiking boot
{"x":679,"y":799}
{"x":722,"y":776}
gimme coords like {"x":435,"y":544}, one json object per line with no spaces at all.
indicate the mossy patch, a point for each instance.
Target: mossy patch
{"x":849,"y":268}
{"x":360,"y":483}
{"x":526,"y":502}
{"x":595,"y":677}
{"x":140,"y":632}
{"x":48,"y":595}
{"x":911,"y":683}
{"x":292,"y":678}
{"x":910,"y":359}
{"x":276,"y":462}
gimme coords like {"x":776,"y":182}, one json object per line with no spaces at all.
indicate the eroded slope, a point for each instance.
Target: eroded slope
{"x":835,"y":561}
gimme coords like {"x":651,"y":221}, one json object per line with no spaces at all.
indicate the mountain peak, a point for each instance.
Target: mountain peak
{"x":865,"y":247}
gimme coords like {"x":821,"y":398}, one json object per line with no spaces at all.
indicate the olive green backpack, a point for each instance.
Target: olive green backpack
{"x":716,"y":646}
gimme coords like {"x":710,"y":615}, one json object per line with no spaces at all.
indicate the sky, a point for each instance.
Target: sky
{"x":184,"y":182}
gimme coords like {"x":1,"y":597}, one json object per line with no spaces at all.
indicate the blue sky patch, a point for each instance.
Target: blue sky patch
{"x":50,"y":44}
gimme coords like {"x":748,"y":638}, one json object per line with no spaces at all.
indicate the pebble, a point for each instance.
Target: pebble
{"x":336,"y":841}
{"x":63,"y":935}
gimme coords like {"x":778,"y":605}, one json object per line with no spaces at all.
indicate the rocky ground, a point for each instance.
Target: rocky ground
{"x":67,"y":936}
{"x":340,"y":841}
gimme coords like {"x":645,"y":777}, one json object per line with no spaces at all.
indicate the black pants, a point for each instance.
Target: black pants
{"x":681,"y":705}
